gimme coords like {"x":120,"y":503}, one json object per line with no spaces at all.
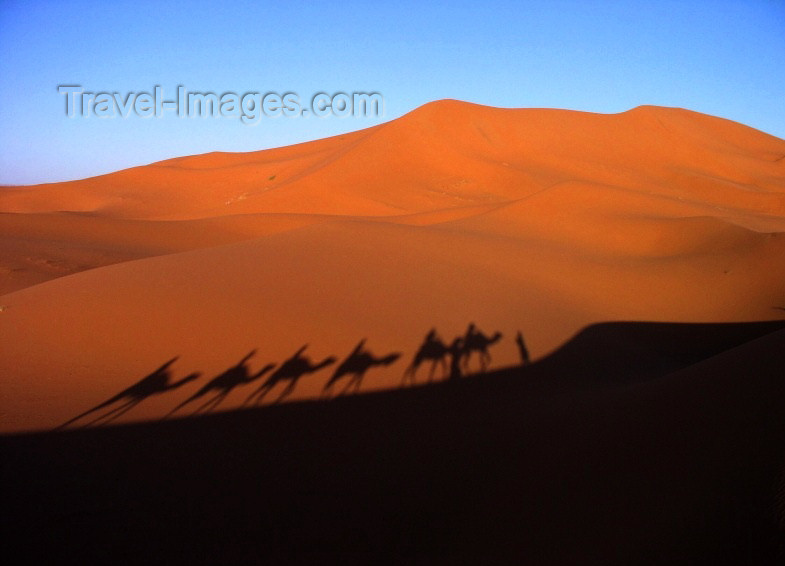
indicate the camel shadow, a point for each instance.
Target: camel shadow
{"x":476,"y":341}
{"x":223,"y":384}
{"x":453,"y":359}
{"x":156,"y":383}
{"x":431,"y":350}
{"x":290,"y":371}
{"x":356,"y":365}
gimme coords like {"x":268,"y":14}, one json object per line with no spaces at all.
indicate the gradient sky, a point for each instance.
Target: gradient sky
{"x":725,"y":58}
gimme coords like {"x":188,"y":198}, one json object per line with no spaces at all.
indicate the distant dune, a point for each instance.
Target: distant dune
{"x":531,"y":220}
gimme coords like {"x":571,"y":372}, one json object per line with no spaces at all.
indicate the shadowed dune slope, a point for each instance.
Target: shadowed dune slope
{"x":675,"y":463}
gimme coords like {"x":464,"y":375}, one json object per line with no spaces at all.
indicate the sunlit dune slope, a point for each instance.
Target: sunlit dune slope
{"x":535,"y":220}
{"x":443,"y":155}
{"x":42,"y":246}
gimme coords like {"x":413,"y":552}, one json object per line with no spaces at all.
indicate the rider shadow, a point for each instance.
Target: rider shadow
{"x":291,"y":370}
{"x":356,"y":365}
{"x":156,"y":383}
{"x":223,"y":384}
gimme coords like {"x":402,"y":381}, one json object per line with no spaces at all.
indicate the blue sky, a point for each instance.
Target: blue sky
{"x":725,"y":58}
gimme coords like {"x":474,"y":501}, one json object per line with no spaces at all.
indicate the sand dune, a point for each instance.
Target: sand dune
{"x":43,"y":246}
{"x":442,"y":155}
{"x":542,"y":221}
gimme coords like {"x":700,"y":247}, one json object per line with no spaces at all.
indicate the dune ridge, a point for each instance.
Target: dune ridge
{"x":440,"y":154}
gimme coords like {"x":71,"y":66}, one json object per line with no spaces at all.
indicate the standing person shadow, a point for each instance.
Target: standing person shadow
{"x":223,"y":384}
{"x":476,"y":341}
{"x":432,"y":349}
{"x":153,"y":384}
{"x":357,"y":365}
{"x":291,"y":370}
{"x":522,"y":349}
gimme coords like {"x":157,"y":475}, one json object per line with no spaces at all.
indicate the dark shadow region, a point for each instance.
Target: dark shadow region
{"x":633,"y":443}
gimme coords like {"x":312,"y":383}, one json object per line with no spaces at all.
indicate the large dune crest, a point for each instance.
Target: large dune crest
{"x":519,"y":220}
{"x":441,"y":155}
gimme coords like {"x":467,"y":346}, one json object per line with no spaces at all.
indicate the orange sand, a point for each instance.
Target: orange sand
{"x":536,"y":220}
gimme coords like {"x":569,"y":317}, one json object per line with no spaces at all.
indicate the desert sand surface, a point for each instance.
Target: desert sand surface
{"x":532,"y":220}
{"x":618,"y":282}
{"x":667,"y":449}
